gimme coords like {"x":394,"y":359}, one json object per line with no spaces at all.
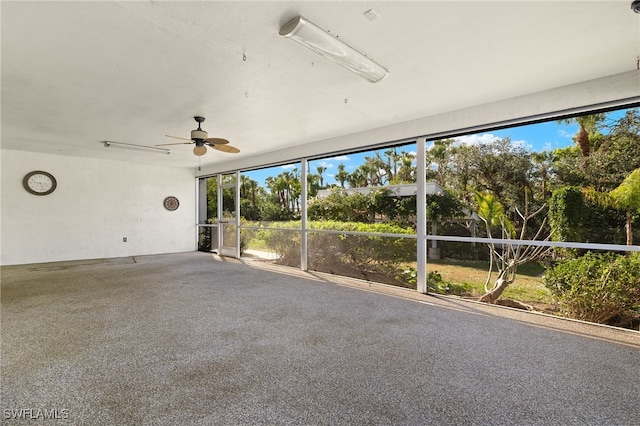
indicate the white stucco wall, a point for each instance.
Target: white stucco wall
{"x":95,"y":205}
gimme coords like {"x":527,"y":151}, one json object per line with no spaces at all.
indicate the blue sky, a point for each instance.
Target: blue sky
{"x":534,"y":137}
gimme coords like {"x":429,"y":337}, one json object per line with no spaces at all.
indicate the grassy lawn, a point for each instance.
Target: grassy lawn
{"x":527,"y":287}
{"x":256,"y":244}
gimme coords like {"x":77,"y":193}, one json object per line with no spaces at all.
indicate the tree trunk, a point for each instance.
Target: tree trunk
{"x":501,"y":284}
{"x":582,"y":138}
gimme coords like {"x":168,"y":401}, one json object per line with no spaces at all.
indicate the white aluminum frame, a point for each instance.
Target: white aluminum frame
{"x":421,"y":232}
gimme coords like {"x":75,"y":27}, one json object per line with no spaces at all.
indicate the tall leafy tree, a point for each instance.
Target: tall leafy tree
{"x":342,"y":175}
{"x":627,"y":197}
{"x":358,"y":178}
{"x":438,"y":160}
{"x":251,"y":198}
{"x":321,"y":170}
{"x":407,"y":170}
{"x":391,"y":165}
{"x":614,"y":154}
{"x":588,"y":128}
{"x":542,"y":172}
{"x":284,"y":199}
{"x":500,"y":167}
{"x":373,"y":167}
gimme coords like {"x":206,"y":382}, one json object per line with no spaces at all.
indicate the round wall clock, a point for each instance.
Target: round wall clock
{"x":39,"y":183}
{"x":171,"y":203}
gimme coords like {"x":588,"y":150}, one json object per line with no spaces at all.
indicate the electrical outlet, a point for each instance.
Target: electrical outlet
{"x":124,"y":239}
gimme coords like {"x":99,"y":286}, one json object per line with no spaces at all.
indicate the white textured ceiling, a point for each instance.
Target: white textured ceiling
{"x":77,"y":73}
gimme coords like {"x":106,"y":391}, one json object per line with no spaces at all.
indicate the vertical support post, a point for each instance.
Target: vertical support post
{"x":421,"y":210}
{"x":303,"y":215}
{"x":219,"y":213}
{"x":237,"y":218}
{"x":201,"y":208}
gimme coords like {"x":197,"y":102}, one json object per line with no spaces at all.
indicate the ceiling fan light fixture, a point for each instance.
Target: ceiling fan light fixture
{"x":199,"y":150}
{"x":305,"y":32}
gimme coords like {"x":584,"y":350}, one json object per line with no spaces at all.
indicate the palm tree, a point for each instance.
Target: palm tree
{"x":407,"y":168}
{"x":277,"y":186}
{"x":286,"y":179}
{"x":438,"y":155}
{"x":393,"y":158}
{"x":544,"y":162}
{"x":588,"y":125}
{"x":373,"y":166}
{"x":358,"y":178}
{"x":342,"y":175}
{"x":321,"y":170}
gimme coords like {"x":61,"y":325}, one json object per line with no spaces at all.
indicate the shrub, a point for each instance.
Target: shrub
{"x":602,"y":288}
{"x":284,"y":242}
{"x":462,"y":251}
{"x":364,"y":248}
{"x":362,"y":256}
{"x":435,"y":283}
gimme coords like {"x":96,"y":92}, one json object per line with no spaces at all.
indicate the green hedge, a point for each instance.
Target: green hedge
{"x":372,"y":257}
{"x":602,"y":288}
{"x":574,"y":218}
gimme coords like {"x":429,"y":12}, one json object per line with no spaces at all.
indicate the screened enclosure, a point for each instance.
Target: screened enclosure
{"x":495,"y":214}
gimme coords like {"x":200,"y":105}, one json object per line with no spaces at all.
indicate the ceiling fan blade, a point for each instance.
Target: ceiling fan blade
{"x":178,"y":137}
{"x":226,"y":148}
{"x":178,"y":143}
{"x":216,"y":141}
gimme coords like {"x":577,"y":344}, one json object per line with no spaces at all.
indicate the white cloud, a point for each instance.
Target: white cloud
{"x":340,"y":158}
{"x":288,"y":166}
{"x":325,"y":164}
{"x":563,"y":133}
{"x":477,"y":139}
{"x":487,"y":138}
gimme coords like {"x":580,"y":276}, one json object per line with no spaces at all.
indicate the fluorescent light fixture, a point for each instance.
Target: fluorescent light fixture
{"x":320,"y":41}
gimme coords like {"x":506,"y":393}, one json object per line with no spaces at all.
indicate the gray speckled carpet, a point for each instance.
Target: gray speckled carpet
{"x":192,"y":339}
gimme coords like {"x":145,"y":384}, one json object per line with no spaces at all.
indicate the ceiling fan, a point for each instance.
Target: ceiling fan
{"x":202,"y":140}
